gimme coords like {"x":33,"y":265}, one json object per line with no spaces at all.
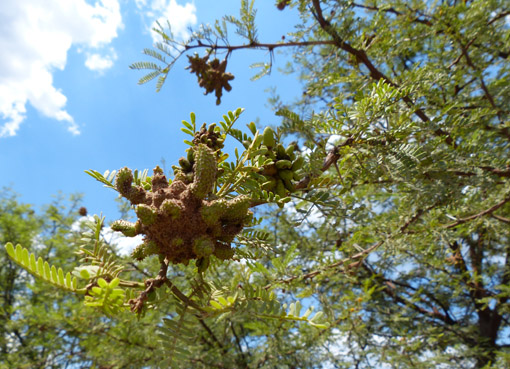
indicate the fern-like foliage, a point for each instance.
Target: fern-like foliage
{"x":106,"y":296}
{"x":165,"y":49}
{"x":263,"y":304}
{"x":140,"y":178}
{"x":255,"y":239}
{"x":97,"y":258}
{"x":245,"y":24}
{"x":178,"y":333}
{"x":107,"y":178}
{"x":42,"y":269}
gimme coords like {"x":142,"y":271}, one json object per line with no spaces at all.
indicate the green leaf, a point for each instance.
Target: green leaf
{"x":25,"y":258}
{"x":54,"y":274}
{"x":216,"y":305}
{"x":10,"y":250}
{"x":102,"y":283}
{"x":68,"y":280}
{"x":222,"y":301}
{"x":187,"y":125}
{"x":19,"y":253}
{"x":187,"y":131}
{"x":61,"y":278}
{"x":47,"y":271}
{"x":33,"y":264}
{"x":40,"y":267}
{"x":114,"y":283}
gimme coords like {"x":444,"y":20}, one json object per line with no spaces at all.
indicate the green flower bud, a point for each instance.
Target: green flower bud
{"x":123,"y":181}
{"x":146,"y":214}
{"x":286,"y":174}
{"x":213,"y":211}
{"x":191,"y":156}
{"x":205,"y":171}
{"x":280,"y":152}
{"x":185,"y":164}
{"x":298,"y":163}
{"x":223,"y":251}
{"x":268,"y":137}
{"x":290,"y":149}
{"x":283,"y":164}
{"x":145,"y":249}
{"x":237,"y":208}
{"x":280,"y":188}
{"x":128,"y":229}
{"x":203,"y":247}
{"x":289,"y":185}
{"x":171,"y":208}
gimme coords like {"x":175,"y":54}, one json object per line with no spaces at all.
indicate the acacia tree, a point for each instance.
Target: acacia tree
{"x":397,"y":226}
{"x":413,"y":103}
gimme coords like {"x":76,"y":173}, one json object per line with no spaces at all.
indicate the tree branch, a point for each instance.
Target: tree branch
{"x":500,"y":218}
{"x":394,"y":11}
{"x":375,"y":73}
{"x":257,"y":45}
{"x":390,"y":289}
{"x":480,"y":214}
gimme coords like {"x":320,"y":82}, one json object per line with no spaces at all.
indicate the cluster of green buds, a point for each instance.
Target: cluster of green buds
{"x":184,"y":220}
{"x":280,"y":165}
{"x":208,"y":136}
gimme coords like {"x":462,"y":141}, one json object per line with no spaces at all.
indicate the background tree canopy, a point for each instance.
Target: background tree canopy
{"x":397,"y":229}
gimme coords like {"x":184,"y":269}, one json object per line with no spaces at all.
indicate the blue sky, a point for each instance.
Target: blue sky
{"x":69,"y":102}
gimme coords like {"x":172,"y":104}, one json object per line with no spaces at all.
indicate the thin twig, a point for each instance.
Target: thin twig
{"x":500,"y":218}
{"x":362,"y":57}
{"x":481,"y":214}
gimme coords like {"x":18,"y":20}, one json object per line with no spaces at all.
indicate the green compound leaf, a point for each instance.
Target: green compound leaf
{"x":42,"y":269}
{"x":107,"y":179}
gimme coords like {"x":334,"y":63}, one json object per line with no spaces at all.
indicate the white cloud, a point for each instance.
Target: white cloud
{"x":35,"y":37}
{"x":100,"y":63}
{"x":180,"y":17}
{"x":124,"y":245}
{"x":332,"y":141}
